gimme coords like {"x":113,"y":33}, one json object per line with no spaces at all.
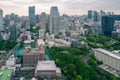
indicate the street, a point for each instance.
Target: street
{"x":10,"y":52}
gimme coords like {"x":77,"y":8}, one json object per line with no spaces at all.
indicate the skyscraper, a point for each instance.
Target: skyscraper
{"x":1,"y":19}
{"x":102,"y":13}
{"x":32,"y":15}
{"x":107,"y":24}
{"x":13,"y":31}
{"x":43,"y":20}
{"x":95,"y":16}
{"x":90,"y":14}
{"x":54,"y":21}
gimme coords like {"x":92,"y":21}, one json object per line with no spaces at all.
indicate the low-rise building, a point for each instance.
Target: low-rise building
{"x":47,"y":68}
{"x":40,"y":42}
{"x":108,"y":58}
{"x":75,"y":43}
{"x":11,"y":61}
{"x":61,"y":42}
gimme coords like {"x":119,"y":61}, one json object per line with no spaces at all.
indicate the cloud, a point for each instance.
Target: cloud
{"x":65,"y":6}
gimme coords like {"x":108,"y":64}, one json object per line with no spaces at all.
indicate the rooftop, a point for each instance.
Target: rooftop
{"x":5,"y":74}
{"x":61,"y":41}
{"x":46,"y":66}
{"x":40,"y":42}
{"x":29,"y":51}
{"x":108,"y":53}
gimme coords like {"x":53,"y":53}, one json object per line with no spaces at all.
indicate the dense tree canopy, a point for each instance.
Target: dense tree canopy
{"x":101,"y":41}
{"x":71,"y":62}
{"x":7,"y":45}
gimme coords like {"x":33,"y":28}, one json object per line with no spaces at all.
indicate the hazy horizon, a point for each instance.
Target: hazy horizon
{"x":70,"y":7}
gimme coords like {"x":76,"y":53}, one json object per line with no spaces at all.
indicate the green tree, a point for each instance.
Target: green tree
{"x":78,"y":78}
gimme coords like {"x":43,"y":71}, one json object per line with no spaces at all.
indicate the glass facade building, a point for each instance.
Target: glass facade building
{"x":32,"y":15}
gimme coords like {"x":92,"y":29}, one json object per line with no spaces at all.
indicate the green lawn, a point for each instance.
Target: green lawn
{"x":6,"y":74}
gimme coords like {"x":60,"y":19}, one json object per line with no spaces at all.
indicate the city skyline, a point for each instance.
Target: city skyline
{"x":79,"y":7}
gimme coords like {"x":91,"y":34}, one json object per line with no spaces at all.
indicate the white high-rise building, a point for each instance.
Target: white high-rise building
{"x":1,"y":19}
{"x":54,"y":21}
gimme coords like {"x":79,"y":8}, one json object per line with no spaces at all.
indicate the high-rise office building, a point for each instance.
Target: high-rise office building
{"x":14,"y":17}
{"x":95,"y":16}
{"x":54,"y":21}
{"x":107,"y":24}
{"x":1,"y":35}
{"x":116,"y":17}
{"x":90,"y":14}
{"x":13,"y":31}
{"x":32,"y":15}
{"x":43,"y":20}
{"x":101,"y":13}
{"x":1,"y":19}
{"x":62,"y":26}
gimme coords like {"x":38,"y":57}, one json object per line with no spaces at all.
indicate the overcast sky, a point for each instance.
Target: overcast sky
{"x":71,"y":7}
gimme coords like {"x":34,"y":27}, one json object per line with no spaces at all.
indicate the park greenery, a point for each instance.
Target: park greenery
{"x":35,"y":30}
{"x":100,"y":41}
{"x":7,"y":45}
{"x":74,"y":67}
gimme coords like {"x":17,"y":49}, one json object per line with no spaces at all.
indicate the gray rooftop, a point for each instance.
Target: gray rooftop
{"x":108,"y":53}
{"x":46,"y":66}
